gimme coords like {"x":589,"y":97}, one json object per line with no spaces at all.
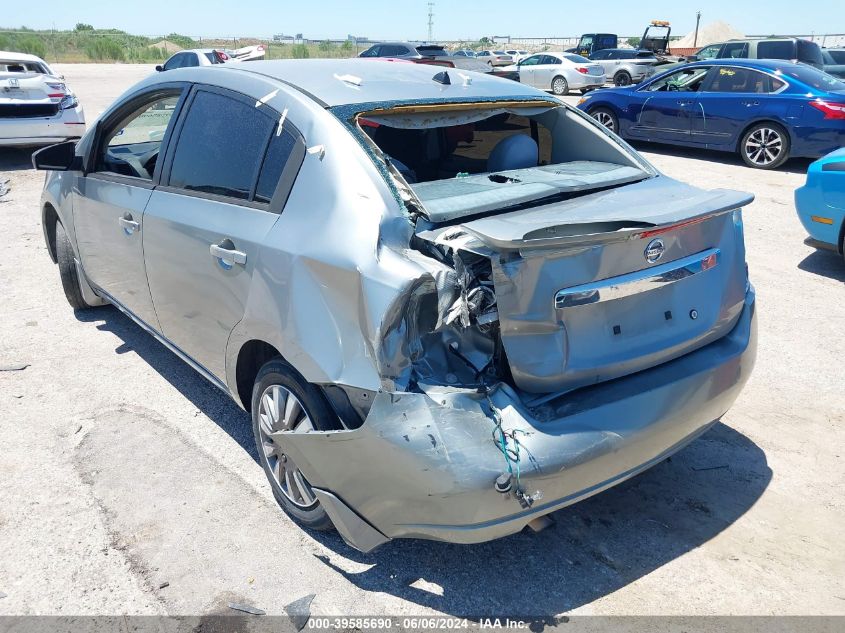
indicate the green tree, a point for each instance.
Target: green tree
{"x":346,"y":47}
{"x":81,"y":26}
{"x":325,"y":46}
{"x":633,"y":42}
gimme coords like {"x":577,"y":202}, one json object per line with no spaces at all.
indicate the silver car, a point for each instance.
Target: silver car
{"x":625,"y":66}
{"x":451,"y":303}
{"x":559,"y":72}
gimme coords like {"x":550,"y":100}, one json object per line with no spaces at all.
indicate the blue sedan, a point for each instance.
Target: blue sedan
{"x":821,"y":203}
{"x":766,"y":110}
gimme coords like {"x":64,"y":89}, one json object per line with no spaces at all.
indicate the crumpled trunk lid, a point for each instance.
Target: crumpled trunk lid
{"x":612,"y":283}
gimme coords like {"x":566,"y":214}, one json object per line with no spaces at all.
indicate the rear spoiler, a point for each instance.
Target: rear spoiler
{"x":553,"y":226}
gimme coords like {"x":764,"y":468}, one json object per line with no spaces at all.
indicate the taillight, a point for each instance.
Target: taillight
{"x":260,"y":47}
{"x":830,"y":110}
{"x":582,"y":70}
{"x":222,"y":56}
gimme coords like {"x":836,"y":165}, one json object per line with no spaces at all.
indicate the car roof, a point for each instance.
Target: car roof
{"x":335,"y":82}
{"x":761,"y":64}
{"x":20,"y":57}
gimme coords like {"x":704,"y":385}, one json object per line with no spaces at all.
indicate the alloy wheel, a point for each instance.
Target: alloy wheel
{"x":606,"y":119}
{"x":763,"y":146}
{"x":280,"y":410}
{"x":559,"y":86}
{"x":622,"y":79}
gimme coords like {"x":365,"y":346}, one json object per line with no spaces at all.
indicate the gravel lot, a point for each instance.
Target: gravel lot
{"x":122,"y":469}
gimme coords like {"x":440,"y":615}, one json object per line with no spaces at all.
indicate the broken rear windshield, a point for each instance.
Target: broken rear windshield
{"x":471,"y":162}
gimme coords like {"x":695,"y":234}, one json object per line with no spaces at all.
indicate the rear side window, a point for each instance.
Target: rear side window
{"x":812,"y":77}
{"x":281,"y":146}
{"x":810,"y":53}
{"x":221,"y":146}
{"x":783,"y":49}
{"x":739,"y":80}
{"x":177,"y":61}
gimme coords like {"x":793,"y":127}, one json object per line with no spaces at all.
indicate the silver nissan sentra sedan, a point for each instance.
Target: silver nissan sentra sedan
{"x":451,"y":303}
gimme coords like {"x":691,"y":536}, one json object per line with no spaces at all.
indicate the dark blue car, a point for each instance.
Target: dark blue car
{"x":767,"y":110}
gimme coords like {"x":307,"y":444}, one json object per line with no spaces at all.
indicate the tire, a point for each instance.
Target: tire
{"x":67,"y":271}
{"x":276,"y":382}
{"x":607,"y":118}
{"x":765,"y":146}
{"x":560,"y":86}
{"x":622,"y":78}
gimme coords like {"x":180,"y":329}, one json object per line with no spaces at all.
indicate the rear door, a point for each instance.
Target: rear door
{"x":204,"y":226}
{"x":109,"y":200}
{"x":730,"y":98}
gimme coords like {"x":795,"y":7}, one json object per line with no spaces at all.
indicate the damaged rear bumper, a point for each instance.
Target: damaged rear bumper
{"x":424,"y":465}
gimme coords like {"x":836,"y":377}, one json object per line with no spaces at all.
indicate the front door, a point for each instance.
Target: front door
{"x":668,"y":105}
{"x":204,"y":227}
{"x":108,"y":207}
{"x":545,"y":71}
{"x":526,"y":70}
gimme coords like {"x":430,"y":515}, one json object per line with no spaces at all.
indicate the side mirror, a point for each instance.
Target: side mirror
{"x":59,"y":157}
{"x":159,"y":68}
{"x":692,"y":58}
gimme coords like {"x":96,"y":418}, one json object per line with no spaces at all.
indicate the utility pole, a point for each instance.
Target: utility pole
{"x":695,"y":38}
{"x":430,"y":21}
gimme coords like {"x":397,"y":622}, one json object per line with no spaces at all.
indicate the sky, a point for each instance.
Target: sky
{"x":408,"y":19}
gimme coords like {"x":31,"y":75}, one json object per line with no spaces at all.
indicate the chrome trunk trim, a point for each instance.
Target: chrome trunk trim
{"x":637,"y":282}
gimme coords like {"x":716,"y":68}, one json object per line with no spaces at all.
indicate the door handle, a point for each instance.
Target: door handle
{"x":226,"y":254}
{"x":128,"y":225}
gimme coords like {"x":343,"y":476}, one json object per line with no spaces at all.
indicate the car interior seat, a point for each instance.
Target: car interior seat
{"x":518,"y":151}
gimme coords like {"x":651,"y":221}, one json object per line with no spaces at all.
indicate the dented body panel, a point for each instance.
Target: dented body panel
{"x":471,"y":350}
{"x":438,"y":448}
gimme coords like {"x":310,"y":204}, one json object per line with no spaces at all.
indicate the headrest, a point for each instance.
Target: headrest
{"x":514,"y":152}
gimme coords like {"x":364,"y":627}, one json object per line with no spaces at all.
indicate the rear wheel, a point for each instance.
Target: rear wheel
{"x":607,"y":118}
{"x":765,"y":146}
{"x":560,"y":86}
{"x":622,"y":78}
{"x":71,"y":283}
{"x":282,"y":400}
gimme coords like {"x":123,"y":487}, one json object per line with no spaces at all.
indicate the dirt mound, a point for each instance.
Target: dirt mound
{"x":708,"y":34}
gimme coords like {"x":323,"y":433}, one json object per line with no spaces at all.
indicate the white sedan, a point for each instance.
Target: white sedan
{"x":36,"y":106}
{"x":559,"y":72}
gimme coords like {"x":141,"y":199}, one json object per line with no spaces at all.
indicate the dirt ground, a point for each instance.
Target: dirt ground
{"x":122,"y":470}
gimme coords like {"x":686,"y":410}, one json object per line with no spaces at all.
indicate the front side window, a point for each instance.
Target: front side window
{"x":709,"y":52}
{"x":531,"y":61}
{"x":373,"y":51}
{"x":131,"y":148}
{"x":685,"y":80}
{"x":838,"y":56}
{"x":735,"y":50}
{"x":221,"y":146}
